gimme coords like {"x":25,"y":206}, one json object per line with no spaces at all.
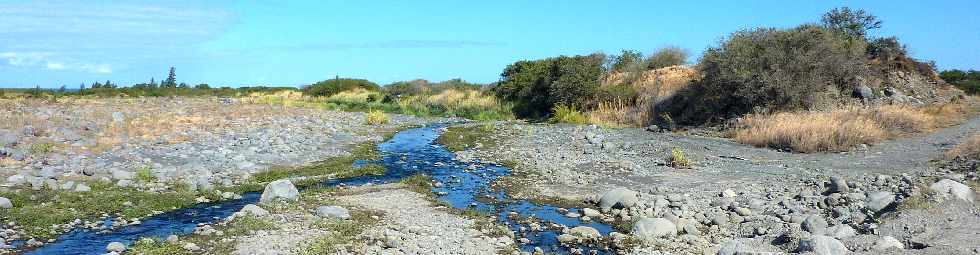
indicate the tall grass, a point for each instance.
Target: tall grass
{"x":568,"y":114}
{"x":968,"y":149}
{"x":837,"y":130}
{"x":471,"y":104}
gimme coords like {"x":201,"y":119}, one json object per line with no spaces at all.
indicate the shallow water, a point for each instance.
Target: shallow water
{"x":410,"y":152}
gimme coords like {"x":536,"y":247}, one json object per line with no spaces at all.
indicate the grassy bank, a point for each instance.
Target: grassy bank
{"x":460,"y":138}
{"x":448,"y":103}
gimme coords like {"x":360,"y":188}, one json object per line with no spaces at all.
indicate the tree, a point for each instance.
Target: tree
{"x":183,"y":85}
{"x":204,"y":86}
{"x":628,"y":60}
{"x":62,"y":89}
{"x":669,"y":56}
{"x":337,"y":85}
{"x":853,"y":23}
{"x":171,"y":81}
{"x":537,"y":86}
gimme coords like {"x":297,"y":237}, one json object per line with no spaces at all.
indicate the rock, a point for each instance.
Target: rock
{"x":566,"y":238}
{"x":254,"y":210}
{"x":728,"y":193}
{"x":16,"y":179}
{"x":118,"y":117}
{"x":191,"y":247}
{"x":82,"y":187}
{"x":333,"y":212}
{"x":5,"y":203}
{"x":838,"y":185}
{"x":878,"y":201}
{"x":8,"y":138}
{"x":281,"y":189}
{"x":124,"y":183}
{"x":122,"y":175}
{"x":620,"y":197}
{"x":648,"y":229}
{"x":173,"y":239}
{"x":888,"y":242}
{"x":116,"y":247}
{"x":842,"y":231}
{"x":864,"y":92}
{"x":958,"y":190}
{"x":585,"y":232}
{"x":742,"y":211}
{"x":744,"y":246}
{"x":591,"y":212}
{"x":823,"y":245}
{"x":815,"y":224}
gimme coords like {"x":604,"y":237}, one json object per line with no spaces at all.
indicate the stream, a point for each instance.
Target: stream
{"x":465,"y":185}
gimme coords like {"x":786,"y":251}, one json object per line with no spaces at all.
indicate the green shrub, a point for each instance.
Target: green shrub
{"x":669,"y":56}
{"x":536,"y":86}
{"x":376,"y":117}
{"x":568,"y":114}
{"x":628,"y":61}
{"x":678,"y":159}
{"x":337,"y":85}
{"x":617,"y":93}
{"x":766,"y":70}
{"x":968,"y":81}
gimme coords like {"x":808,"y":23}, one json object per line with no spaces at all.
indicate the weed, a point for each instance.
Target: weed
{"x":568,"y":114}
{"x":418,"y":183}
{"x":376,"y":117}
{"x":465,"y":137}
{"x":677,"y":159}
{"x":341,"y":232}
{"x":41,"y":148}
{"x":145,"y":174}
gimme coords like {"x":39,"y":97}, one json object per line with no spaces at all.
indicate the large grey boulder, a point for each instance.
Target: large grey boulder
{"x":585,"y":232}
{"x":958,"y":190}
{"x":5,"y":203}
{"x":116,"y":247}
{"x":335,"y":212}
{"x":815,"y":224}
{"x":254,"y":210}
{"x":621,"y":197}
{"x":281,"y":189}
{"x":648,"y":228}
{"x":823,"y":245}
{"x":878,"y":201}
{"x":7,"y":138}
{"x":888,"y":243}
{"x":838,"y":185}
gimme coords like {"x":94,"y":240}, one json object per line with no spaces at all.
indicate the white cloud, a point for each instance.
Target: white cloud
{"x":46,"y":60}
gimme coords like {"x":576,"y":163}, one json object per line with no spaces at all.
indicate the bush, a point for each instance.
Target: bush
{"x":568,"y":114}
{"x":628,"y":61}
{"x":968,"y":81}
{"x":677,"y":159}
{"x":766,"y":70}
{"x":968,"y":149}
{"x":669,"y":56}
{"x":537,"y":86}
{"x":337,"y":85}
{"x":376,"y":117}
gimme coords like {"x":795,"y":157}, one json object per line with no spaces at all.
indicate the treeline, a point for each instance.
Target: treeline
{"x":968,"y":81}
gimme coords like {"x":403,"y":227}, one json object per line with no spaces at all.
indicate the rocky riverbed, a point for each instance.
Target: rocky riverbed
{"x":734,"y":198}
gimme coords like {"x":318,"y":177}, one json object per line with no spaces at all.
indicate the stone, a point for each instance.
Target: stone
{"x":335,"y":212}
{"x":823,"y":245}
{"x":842,"y":231}
{"x":585,"y":232}
{"x":118,"y":117}
{"x":16,"y":179}
{"x":566,"y":238}
{"x":958,"y":190}
{"x":116,"y":247}
{"x":728,"y":193}
{"x":878,"y":201}
{"x":191,"y":247}
{"x":743,"y":246}
{"x":887,"y":243}
{"x":648,"y":228}
{"x":122,"y":174}
{"x":838,"y":185}
{"x":254,"y":210}
{"x":124,"y":183}
{"x":815,"y":224}
{"x":864,"y":92}
{"x":618,"y":197}
{"x":280,"y":189}
{"x":8,"y":138}
{"x":173,"y":239}
{"x":82,"y":187}
{"x":742,"y":211}
{"x":591,"y":212}
{"x":5,"y":203}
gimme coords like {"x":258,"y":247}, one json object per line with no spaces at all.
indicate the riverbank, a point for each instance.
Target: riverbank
{"x":729,"y":195}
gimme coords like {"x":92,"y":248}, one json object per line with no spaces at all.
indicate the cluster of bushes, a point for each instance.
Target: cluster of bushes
{"x":808,"y":67}
{"x":333,"y":86}
{"x":968,"y":81}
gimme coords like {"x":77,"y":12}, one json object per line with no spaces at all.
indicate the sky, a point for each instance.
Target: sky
{"x":292,"y":43}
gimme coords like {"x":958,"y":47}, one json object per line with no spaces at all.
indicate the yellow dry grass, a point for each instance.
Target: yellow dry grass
{"x":652,"y":87}
{"x":837,"y":130}
{"x":968,"y":149}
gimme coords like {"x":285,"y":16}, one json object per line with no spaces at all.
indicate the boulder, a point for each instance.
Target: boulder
{"x":281,"y":189}
{"x":8,"y":138}
{"x":122,"y":174}
{"x":254,"y":210}
{"x":815,"y":225}
{"x":618,"y":197}
{"x":746,"y":246}
{"x":888,"y":243}
{"x":335,"y":212}
{"x":116,"y":247}
{"x":118,"y":117}
{"x":842,"y":231}
{"x":951,"y":187}
{"x":823,"y":245}
{"x":5,"y":203}
{"x":585,"y":232}
{"x":838,"y":185}
{"x":591,"y":212}
{"x":648,"y":228}
{"x":878,"y":201}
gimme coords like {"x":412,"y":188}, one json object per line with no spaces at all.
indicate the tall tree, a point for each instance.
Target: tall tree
{"x":171,"y":81}
{"x":853,"y":23}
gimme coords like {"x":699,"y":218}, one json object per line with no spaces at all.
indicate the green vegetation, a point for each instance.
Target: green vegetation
{"x":337,"y":85}
{"x":461,"y":138}
{"x":241,"y":226}
{"x":418,"y":183}
{"x":341,"y":232}
{"x":568,"y":114}
{"x":145,"y":174}
{"x":336,"y":167}
{"x":665,"y":57}
{"x":678,"y":159}
{"x":37,"y":211}
{"x":41,"y":148}
{"x":537,"y":86}
{"x":376,"y":117}
{"x":968,"y":81}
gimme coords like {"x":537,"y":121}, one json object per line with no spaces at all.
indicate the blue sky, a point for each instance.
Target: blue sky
{"x":240,"y":43}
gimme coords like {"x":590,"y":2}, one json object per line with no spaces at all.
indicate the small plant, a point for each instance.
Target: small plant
{"x":677,"y":159}
{"x":145,"y":174}
{"x":568,"y":114}
{"x":376,"y":117}
{"x":41,"y":148}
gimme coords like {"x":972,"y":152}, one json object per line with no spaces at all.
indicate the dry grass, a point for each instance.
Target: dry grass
{"x":968,"y":149}
{"x":652,"y":87}
{"x":839,"y":130}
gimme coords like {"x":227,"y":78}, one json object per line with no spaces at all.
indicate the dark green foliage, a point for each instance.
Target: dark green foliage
{"x":617,"y":93}
{"x":420,"y":86}
{"x":766,"y":70}
{"x":968,"y":81}
{"x":669,"y":56}
{"x":171,"y":81}
{"x":337,"y":85}
{"x":628,"y":60}
{"x":851,"y":23}
{"x":536,"y":86}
